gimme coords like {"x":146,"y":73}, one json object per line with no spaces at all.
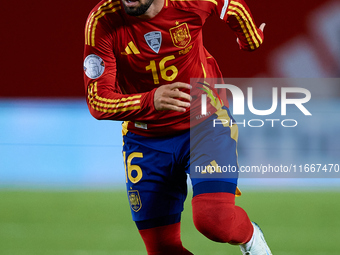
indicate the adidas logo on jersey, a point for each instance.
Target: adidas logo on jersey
{"x":130,"y":49}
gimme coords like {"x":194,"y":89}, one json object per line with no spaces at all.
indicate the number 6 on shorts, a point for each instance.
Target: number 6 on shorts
{"x":129,"y":168}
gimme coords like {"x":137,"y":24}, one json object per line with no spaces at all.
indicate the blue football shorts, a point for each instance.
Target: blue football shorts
{"x":156,"y":168}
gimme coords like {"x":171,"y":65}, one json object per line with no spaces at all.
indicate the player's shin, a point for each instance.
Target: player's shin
{"x":164,"y":240}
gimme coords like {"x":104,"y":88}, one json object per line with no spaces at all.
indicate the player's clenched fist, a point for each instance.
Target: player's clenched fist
{"x":170,"y":97}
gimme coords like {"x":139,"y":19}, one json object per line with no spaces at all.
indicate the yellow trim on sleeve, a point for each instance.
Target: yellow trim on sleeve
{"x":245,"y":31}
{"x":247,"y":24}
{"x":95,"y":16}
{"x":95,"y":89}
{"x":96,"y":22}
{"x":103,"y":105}
{"x":87,"y":29}
{"x":254,"y":29}
{"x":91,"y":20}
{"x":107,"y":105}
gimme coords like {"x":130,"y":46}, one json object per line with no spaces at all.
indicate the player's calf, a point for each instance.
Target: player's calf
{"x":164,"y":240}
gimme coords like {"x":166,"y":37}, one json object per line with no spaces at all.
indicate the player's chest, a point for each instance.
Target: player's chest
{"x":168,"y":36}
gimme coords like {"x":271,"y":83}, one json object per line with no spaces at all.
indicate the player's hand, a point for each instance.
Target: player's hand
{"x":262,"y":26}
{"x":167,"y":97}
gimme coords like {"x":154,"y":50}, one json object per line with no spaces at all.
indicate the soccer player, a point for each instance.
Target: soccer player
{"x":139,"y":58}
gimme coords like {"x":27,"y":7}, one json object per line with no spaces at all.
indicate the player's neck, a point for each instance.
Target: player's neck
{"x":153,"y":10}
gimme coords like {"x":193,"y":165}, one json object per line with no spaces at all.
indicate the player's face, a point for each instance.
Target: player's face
{"x":136,"y":7}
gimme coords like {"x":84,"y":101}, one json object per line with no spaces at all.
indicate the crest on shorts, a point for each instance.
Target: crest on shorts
{"x":154,"y":40}
{"x":134,"y":200}
{"x":180,"y":35}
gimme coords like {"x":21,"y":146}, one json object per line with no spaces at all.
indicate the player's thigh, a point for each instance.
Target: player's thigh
{"x":213,"y":161}
{"x":155,"y":186}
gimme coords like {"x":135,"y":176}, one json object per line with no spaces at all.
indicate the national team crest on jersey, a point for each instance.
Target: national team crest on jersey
{"x":134,"y":199}
{"x":154,"y":40}
{"x":180,"y":35}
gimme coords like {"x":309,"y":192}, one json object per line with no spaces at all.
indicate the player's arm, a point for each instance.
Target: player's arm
{"x":104,"y":97}
{"x":239,"y":18}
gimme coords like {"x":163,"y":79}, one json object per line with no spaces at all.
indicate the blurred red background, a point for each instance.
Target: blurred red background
{"x":42,"y":44}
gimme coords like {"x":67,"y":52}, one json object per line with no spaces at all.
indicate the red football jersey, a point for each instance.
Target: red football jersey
{"x":126,"y":58}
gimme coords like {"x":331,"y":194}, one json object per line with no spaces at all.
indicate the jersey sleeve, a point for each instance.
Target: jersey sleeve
{"x":237,"y":15}
{"x":104,"y":97}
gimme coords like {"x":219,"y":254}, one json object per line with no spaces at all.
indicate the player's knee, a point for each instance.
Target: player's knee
{"x":215,"y":221}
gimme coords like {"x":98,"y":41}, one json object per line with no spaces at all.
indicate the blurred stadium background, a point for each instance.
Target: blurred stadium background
{"x":61,"y":173}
